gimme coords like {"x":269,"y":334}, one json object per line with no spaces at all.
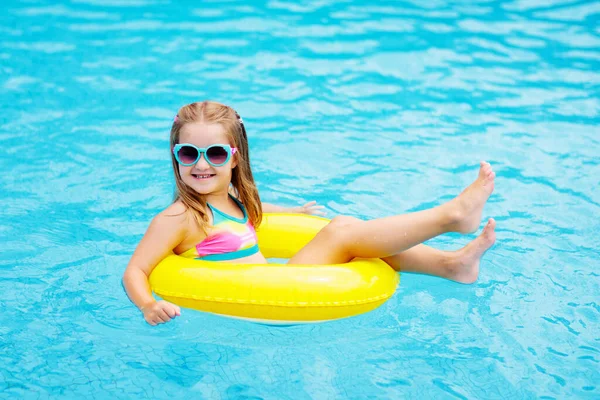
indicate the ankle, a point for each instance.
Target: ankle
{"x":451,"y":264}
{"x":453,"y":216}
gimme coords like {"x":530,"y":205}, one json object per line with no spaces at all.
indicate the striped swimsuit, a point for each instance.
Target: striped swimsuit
{"x":230,"y":238}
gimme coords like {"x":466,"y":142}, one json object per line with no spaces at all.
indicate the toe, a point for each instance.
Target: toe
{"x":483,"y":169}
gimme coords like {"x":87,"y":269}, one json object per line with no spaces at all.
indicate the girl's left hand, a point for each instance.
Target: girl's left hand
{"x":311,"y":208}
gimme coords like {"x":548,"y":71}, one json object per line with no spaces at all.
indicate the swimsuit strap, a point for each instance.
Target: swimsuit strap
{"x":219,"y":216}
{"x":230,"y":238}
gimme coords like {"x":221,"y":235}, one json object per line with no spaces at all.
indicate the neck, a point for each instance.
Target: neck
{"x":217,"y":198}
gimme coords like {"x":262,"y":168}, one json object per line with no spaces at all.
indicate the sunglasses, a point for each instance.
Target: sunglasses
{"x":216,"y":155}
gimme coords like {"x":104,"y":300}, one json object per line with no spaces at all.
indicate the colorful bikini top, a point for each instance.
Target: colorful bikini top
{"x":229,"y":238}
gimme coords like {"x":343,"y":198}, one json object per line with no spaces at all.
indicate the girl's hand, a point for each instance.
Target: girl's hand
{"x":311,"y":208}
{"x":160,"y":312}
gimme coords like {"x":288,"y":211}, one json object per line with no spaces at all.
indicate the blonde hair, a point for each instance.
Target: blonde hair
{"x":210,"y":112}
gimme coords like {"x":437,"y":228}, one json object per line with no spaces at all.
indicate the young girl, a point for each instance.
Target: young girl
{"x":217,"y":208}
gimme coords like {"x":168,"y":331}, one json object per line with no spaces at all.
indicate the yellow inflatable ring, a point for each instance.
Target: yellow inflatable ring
{"x":277,"y":293}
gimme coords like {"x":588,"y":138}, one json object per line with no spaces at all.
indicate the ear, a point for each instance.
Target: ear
{"x":234,"y":160}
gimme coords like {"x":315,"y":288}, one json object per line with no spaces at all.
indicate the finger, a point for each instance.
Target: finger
{"x":165,"y":315}
{"x":171,"y":312}
{"x":154,"y":320}
{"x":316,"y":210}
{"x":310,"y":203}
{"x":176,"y":310}
{"x":162,"y":316}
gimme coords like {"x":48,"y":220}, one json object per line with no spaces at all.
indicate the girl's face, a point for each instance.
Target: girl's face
{"x":204,"y":178}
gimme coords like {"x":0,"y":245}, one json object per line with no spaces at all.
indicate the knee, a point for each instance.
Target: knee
{"x":335,"y":231}
{"x":342,"y":221}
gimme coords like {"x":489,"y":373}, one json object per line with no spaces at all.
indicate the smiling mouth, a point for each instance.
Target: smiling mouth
{"x":203,"y":176}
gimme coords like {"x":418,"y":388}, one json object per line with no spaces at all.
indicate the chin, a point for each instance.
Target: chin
{"x":202,"y":187}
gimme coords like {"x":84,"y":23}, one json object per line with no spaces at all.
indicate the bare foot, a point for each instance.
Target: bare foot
{"x":465,"y":210}
{"x":463,"y":266}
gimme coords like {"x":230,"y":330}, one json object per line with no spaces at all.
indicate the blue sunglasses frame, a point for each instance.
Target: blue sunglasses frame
{"x":230,"y":151}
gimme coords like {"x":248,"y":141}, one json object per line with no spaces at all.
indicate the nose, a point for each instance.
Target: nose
{"x":201,"y":163}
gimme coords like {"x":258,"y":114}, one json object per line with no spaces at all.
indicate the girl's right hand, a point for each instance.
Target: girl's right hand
{"x":160,"y":312}
{"x":311,"y":208}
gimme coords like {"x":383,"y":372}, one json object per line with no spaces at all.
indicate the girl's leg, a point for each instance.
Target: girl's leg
{"x":460,"y":266}
{"x":341,"y":241}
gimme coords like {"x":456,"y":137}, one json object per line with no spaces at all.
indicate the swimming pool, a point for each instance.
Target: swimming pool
{"x":370,"y":110}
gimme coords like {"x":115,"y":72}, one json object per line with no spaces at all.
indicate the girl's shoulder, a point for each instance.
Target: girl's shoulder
{"x":184,"y":223}
{"x":175,"y":214}
{"x":176,"y":208}
{"x":169,"y":227}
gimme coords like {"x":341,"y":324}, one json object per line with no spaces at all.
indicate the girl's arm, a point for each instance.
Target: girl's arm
{"x":310,"y":208}
{"x":165,"y":232}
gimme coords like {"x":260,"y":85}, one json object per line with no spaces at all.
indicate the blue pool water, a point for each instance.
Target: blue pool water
{"x":369,"y":108}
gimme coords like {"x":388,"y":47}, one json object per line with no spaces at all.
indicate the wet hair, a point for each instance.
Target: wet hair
{"x":209,"y":112}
